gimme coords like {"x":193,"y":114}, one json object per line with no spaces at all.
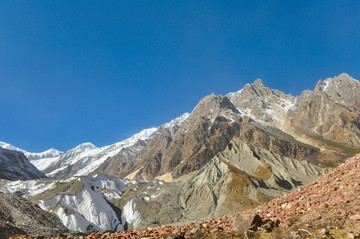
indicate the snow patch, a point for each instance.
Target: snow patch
{"x":27,"y":188}
{"x":177,"y":121}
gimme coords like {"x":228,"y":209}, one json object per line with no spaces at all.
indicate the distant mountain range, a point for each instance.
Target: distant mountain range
{"x":231,"y":153}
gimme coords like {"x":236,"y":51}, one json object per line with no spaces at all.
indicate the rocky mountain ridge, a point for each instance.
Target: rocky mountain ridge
{"x":217,"y":119}
{"x":15,"y":166}
{"x":326,"y":118}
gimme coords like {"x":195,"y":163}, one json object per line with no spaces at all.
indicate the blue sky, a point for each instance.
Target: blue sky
{"x":100,"y":71}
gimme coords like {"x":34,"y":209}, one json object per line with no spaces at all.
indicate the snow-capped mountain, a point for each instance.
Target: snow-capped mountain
{"x":50,"y":153}
{"x":85,"y":158}
{"x":48,"y":156}
{"x":11,"y":147}
{"x":330,"y":112}
{"x":15,"y":166}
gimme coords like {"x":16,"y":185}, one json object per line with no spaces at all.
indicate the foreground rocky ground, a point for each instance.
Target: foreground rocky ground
{"x":327,"y":208}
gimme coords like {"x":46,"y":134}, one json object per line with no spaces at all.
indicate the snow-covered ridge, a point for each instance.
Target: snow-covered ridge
{"x":31,"y":156}
{"x":90,"y":157}
{"x":86,"y":154}
{"x":177,"y":121}
{"x":11,"y":147}
{"x":46,"y":154}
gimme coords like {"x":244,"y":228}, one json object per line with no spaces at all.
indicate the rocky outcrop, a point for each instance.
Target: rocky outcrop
{"x":15,"y":166}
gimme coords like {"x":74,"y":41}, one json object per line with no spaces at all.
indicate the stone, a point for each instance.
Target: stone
{"x":324,"y":231}
{"x":355,"y":217}
{"x":247,"y":222}
{"x":352,"y":235}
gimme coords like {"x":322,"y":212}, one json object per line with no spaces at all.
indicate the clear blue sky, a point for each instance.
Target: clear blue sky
{"x":100,"y":71}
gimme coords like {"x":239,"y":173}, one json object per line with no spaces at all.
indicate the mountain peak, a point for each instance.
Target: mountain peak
{"x":86,"y":145}
{"x":5,"y":145}
{"x":143,"y":135}
{"x":345,"y":76}
{"x":258,"y":83}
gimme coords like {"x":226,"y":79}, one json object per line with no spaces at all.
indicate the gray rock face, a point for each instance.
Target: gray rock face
{"x":15,"y":166}
{"x":23,"y":216}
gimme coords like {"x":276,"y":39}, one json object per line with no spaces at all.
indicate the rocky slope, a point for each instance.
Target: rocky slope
{"x":15,"y":166}
{"x":19,"y":216}
{"x":332,"y":202}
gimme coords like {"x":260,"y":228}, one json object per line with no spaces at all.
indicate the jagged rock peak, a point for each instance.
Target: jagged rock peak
{"x":341,"y":88}
{"x":342,"y":80}
{"x":258,"y":83}
{"x":212,"y":103}
{"x":345,"y":76}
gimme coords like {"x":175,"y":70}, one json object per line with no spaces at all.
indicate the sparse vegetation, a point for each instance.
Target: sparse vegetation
{"x":263,"y":173}
{"x":176,"y":158}
{"x":345,"y":149}
{"x":290,"y":140}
